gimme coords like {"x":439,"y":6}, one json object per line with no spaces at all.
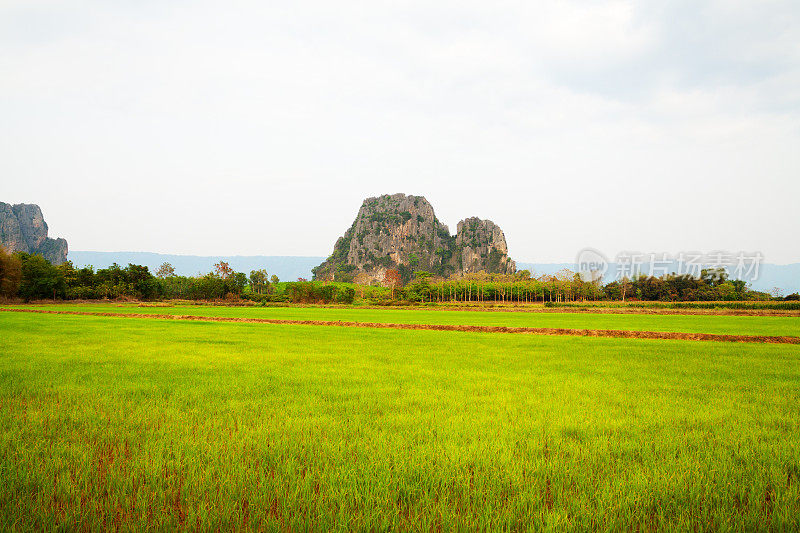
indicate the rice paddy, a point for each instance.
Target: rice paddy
{"x":150,"y":424}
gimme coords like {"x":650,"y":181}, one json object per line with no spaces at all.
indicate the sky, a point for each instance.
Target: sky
{"x":257,"y":128}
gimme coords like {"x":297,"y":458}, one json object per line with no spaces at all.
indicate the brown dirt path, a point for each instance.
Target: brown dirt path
{"x":626,"y":334}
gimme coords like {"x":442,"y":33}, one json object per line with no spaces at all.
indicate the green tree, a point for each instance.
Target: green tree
{"x":69,"y":273}
{"x":714,"y":276}
{"x":236,"y":283}
{"x":739,"y":286}
{"x":40,"y":279}
{"x":140,"y":283}
{"x":420,"y":288}
{"x":259,"y":281}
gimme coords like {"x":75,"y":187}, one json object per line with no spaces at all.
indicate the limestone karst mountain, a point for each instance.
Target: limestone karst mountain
{"x":401,"y":231}
{"x":23,"y":229}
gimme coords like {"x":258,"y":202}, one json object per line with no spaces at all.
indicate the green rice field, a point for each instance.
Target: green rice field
{"x":717,"y":324}
{"x":110,"y":423}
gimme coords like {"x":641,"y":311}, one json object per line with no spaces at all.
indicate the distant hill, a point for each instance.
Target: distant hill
{"x":287,"y":268}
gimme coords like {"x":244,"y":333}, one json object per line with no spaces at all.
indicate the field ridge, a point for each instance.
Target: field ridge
{"x":628,"y":334}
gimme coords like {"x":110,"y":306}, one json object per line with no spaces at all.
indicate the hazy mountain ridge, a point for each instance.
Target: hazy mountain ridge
{"x":287,"y":268}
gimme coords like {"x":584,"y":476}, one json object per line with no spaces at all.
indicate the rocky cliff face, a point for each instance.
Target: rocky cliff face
{"x":399,"y":231}
{"x":23,"y":229}
{"x":481,"y":245}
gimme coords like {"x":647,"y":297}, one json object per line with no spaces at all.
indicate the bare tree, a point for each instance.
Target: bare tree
{"x":10,"y":273}
{"x":624,"y":286}
{"x":166,"y":270}
{"x":392,"y":279}
{"x":223,"y":270}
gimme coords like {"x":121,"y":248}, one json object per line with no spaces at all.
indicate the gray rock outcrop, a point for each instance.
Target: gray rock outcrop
{"x":23,"y":229}
{"x":402,"y":231}
{"x":482,"y":246}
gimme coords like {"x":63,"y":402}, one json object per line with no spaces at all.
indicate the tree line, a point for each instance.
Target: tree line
{"x":31,"y":277}
{"x":567,"y":286}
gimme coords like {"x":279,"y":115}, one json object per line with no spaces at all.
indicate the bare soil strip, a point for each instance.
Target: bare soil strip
{"x":627,"y":334}
{"x":530,"y":308}
{"x":581,"y":310}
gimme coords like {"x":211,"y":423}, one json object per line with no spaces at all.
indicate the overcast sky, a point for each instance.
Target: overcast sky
{"x":257,"y":128}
